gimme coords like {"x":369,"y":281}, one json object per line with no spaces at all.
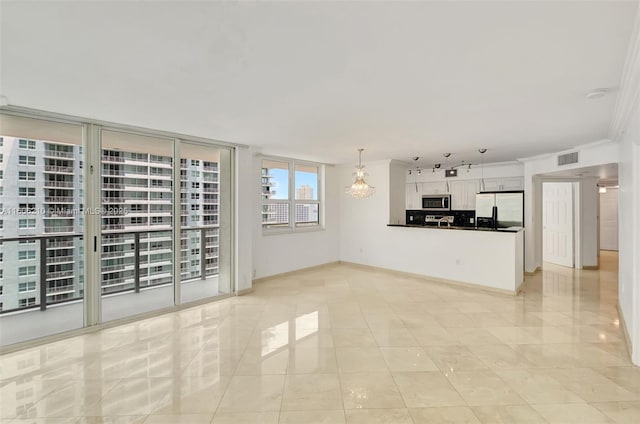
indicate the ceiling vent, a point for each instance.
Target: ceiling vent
{"x":568,"y":158}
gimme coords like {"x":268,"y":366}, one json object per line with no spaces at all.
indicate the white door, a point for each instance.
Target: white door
{"x":609,"y":219}
{"x":557,"y":221}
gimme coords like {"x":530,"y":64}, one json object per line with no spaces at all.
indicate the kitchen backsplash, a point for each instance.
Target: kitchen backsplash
{"x":460,"y":218}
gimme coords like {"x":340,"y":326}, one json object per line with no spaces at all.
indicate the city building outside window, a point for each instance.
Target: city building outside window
{"x":291,"y":195}
{"x":26,"y":160}
{"x":27,"y":144}
{"x":25,"y":255}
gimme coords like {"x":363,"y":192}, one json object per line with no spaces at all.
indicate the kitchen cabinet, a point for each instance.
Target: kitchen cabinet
{"x":463,"y":194}
{"x":414,"y":193}
{"x":434,"y":187}
{"x":504,"y":184}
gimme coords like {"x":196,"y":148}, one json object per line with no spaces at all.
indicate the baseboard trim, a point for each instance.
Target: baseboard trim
{"x":244,"y":291}
{"x":295,"y":271}
{"x":591,"y":267}
{"x":625,"y":331}
{"x":437,"y":280}
{"x":534,"y":272}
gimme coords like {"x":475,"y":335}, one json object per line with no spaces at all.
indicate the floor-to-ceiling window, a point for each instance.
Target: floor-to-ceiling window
{"x":158,"y":232}
{"x":136,"y":271}
{"x":205,"y":202}
{"x":41,"y":228}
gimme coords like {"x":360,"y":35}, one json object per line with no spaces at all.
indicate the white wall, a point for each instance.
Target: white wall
{"x":609,"y":219}
{"x":625,"y":128}
{"x":397,"y":175}
{"x":245,"y":210}
{"x":589,"y":251}
{"x":363,"y":221}
{"x":629,"y":231}
{"x":278,"y":253}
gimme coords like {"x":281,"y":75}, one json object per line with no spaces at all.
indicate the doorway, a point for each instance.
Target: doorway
{"x":558,"y":223}
{"x":608,"y":218}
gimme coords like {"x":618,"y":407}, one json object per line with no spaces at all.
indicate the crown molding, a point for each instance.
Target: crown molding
{"x":629,"y":93}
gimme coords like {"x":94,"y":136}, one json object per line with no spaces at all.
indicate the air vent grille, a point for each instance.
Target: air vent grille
{"x":568,"y":158}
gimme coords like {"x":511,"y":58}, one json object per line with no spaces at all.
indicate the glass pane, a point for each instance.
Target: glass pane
{"x":41,"y":227}
{"x":307,"y":214}
{"x":275,"y":215}
{"x":275,"y":180}
{"x":306,"y":182}
{"x":137,"y":219}
{"x":204,"y":222}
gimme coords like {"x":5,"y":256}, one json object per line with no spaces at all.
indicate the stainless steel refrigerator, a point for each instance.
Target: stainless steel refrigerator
{"x":506,"y":206}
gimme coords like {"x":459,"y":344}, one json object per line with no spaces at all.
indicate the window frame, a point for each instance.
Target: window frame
{"x":292,"y":226}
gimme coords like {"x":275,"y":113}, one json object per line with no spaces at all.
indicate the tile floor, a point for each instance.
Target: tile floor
{"x":344,"y":344}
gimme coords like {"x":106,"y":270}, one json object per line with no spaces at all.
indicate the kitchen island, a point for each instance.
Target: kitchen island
{"x":487,"y":258}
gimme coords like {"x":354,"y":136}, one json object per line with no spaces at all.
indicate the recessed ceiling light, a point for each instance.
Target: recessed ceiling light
{"x":596,"y":93}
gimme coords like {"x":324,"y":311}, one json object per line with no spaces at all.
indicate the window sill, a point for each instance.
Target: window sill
{"x":292,"y":230}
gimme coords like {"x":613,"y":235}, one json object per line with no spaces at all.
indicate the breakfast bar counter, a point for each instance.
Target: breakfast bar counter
{"x":488,"y":258}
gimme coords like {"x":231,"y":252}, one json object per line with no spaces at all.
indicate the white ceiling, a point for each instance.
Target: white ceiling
{"x":318,"y":80}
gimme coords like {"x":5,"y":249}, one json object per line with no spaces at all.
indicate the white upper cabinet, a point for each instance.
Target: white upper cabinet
{"x":471,"y":189}
{"x":434,"y":187}
{"x":414,"y":193}
{"x":504,"y":184}
{"x":463,"y":194}
{"x":458,"y":195}
{"x":513,"y":183}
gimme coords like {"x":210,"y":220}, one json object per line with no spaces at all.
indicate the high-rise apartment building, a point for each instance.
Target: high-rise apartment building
{"x":304,"y":192}
{"x":41,"y":195}
{"x":275,"y":213}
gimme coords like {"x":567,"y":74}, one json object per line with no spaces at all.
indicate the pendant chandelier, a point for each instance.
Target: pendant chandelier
{"x":360,"y":189}
{"x":482,"y":152}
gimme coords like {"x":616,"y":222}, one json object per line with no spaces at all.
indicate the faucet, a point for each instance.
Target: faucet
{"x":444,"y":219}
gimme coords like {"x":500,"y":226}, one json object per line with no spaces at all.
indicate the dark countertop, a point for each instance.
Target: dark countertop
{"x":444,"y":227}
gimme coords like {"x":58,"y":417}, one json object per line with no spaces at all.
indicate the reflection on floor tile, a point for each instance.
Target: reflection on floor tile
{"x":378,"y":416}
{"x":571,"y":413}
{"x":312,"y":417}
{"x":344,"y":344}
{"x":444,"y":415}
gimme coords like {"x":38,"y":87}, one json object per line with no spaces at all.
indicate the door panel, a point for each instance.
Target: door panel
{"x":558,"y":223}
{"x":41,"y":228}
{"x":137,"y":242}
{"x":204,"y":222}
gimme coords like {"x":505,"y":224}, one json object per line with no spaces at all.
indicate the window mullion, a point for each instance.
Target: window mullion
{"x":292,"y":195}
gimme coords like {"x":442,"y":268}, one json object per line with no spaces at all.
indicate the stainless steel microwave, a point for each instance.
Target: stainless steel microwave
{"x":436,"y":202}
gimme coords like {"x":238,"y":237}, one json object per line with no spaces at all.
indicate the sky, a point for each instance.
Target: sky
{"x":281,"y":177}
